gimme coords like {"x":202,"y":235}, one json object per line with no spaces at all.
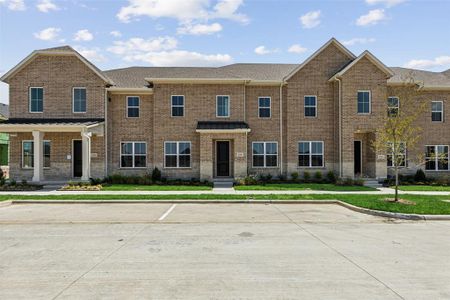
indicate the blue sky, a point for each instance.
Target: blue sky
{"x":115,"y":34}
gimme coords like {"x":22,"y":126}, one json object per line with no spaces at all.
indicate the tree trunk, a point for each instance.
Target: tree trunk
{"x":396,"y":183}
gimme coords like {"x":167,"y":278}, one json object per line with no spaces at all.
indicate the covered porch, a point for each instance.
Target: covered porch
{"x":45,"y":150}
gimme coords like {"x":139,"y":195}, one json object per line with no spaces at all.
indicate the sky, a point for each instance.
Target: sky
{"x":121,"y":33}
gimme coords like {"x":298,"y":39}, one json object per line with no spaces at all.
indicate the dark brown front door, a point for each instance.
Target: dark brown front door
{"x":77,"y":159}
{"x":357,"y":159}
{"x":223,"y":158}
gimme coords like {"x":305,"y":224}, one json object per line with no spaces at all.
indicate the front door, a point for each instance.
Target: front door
{"x":358,"y":157}
{"x":223,"y":158}
{"x":77,"y":158}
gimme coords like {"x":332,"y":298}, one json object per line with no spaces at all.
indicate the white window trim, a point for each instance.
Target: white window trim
{"x":172,"y":106}
{"x":440,"y":111}
{"x":217,"y":106}
{"x":405,"y":154}
{"x":29,"y":99}
{"x":370,"y":102}
{"x":133,"y":154}
{"x":436,"y":159}
{"x":138,"y":107}
{"x":310,"y":155}
{"x":270,"y":107}
{"x":31,"y":168}
{"x":73,"y":99}
{"x":264,"y":155}
{"x":178,"y":154}
{"x":305,"y":106}
{"x":398,"y":103}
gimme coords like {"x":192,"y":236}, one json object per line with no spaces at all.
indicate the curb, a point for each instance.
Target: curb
{"x":367,"y":211}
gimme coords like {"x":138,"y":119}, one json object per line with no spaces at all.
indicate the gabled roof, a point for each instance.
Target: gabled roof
{"x":428,"y":79}
{"x":63,"y":50}
{"x":332,"y":41}
{"x":370,"y":57}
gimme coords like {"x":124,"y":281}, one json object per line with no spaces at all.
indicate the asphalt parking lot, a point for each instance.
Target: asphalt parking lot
{"x":218,"y":251}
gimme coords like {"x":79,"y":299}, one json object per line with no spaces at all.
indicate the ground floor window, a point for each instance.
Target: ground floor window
{"x":28,"y":154}
{"x":436,"y":158}
{"x":133,"y":154}
{"x":310,"y":154}
{"x":265,"y":154}
{"x":401,"y":155}
{"x":177,"y":154}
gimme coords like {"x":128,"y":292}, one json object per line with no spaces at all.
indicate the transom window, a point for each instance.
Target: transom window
{"x":436,"y":158}
{"x":133,"y":154}
{"x":79,"y":99}
{"x":133,"y":103}
{"x":310,"y":154}
{"x":265,"y":154}
{"x":264,"y":107}
{"x":401,"y":155}
{"x":310,"y":106}
{"x":393,"y":106}
{"x":36,"y":99}
{"x":28,"y":154}
{"x":364,"y":102}
{"x":177,"y":106}
{"x":177,"y":154}
{"x":223,"y":106}
{"x":437,"y":111}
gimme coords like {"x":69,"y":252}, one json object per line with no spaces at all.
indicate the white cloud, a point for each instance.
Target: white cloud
{"x":115,"y":33}
{"x":48,"y":34}
{"x":371,"y":18}
{"x":355,"y":41}
{"x":199,"y":29}
{"x":310,"y":19}
{"x":182,"y":10}
{"x":46,"y":6}
{"x":83,"y":35}
{"x":440,"y":61}
{"x":262,"y":50}
{"x":14,"y":4}
{"x":388,"y":3}
{"x":91,"y":54}
{"x":136,"y":46}
{"x":298,"y":49}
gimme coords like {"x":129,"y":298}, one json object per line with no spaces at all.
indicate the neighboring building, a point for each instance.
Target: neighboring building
{"x":4,"y":141}
{"x":205,"y":123}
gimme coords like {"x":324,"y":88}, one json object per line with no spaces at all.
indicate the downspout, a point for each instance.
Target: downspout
{"x":340,"y":126}
{"x":281,"y":129}
{"x":106,"y":133}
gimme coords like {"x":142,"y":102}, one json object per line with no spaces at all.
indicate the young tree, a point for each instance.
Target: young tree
{"x":400,"y":129}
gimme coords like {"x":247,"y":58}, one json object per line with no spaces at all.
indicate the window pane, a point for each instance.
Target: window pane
{"x":430,"y":164}
{"x":363,"y":102}
{"x":171,"y":161}
{"x":436,"y":116}
{"x":258,"y":160}
{"x":430,"y":151}
{"x":258,"y":148}
{"x":310,"y":101}
{"x":133,"y":112}
{"x":79,"y":100}
{"x":271,"y":148}
{"x":264,"y":102}
{"x":393,"y":102}
{"x":126,"y":161}
{"x":133,"y":101}
{"x":177,"y":111}
{"x":316,"y":148}
{"x":127,"y":148}
{"x":46,"y":154}
{"x":310,"y":111}
{"x":185,"y":161}
{"x":177,"y":100}
{"x":28,"y":155}
{"x":222,"y":106}
{"x":264,"y":112}
{"x":303,"y":148}
{"x":436,"y":106}
{"x":303,"y":160}
{"x":271,"y":160}
{"x":185,"y":148}
{"x":140,"y":148}
{"x":171,"y":148}
{"x":140,"y":161}
{"x":316,"y":160}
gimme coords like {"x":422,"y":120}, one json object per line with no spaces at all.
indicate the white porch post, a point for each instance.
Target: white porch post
{"x":86,"y":150}
{"x":38,"y":153}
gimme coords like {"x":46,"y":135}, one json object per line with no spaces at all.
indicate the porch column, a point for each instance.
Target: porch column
{"x":38,"y":153}
{"x":86,"y":154}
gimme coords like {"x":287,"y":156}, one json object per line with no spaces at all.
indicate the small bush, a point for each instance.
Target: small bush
{"x":420,"y":176}
{"x":294,"y":176}
{"x":282,"y":177}
{"x":24,"y":182}
{"x":12,"y":182}
{"x":250,"y":180}
{"x":358,"y":181}
{"x":318,"y":176}
{"x":306,"y":176}
{"x":156,"y":174}
{"x":345,"y":182}
{"x":95,"y":181}
{"x":331,"y":177}
{"x":2,"y":180}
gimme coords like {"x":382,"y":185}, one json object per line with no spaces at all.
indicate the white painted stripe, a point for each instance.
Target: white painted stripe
{"x":167,"y":213}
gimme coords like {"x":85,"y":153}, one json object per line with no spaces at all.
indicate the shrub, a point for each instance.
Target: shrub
{"x":250,"y":180}
{"x":282,"y":177}
{"x":345,"y":182}
{"x":12,"y":182}
{"x":420,"y":176}
{"x":331,"y":177}
{"x":269,"y":177}
{"x":306,"y":176}
{"x":318,"y":176}
{"x":294,"y":176}
{"x":358,"y":181}
{"x":156,"y":174}
{"x":24,"y":182}
{"x":2,"y":180}
{"x":96,"y":181}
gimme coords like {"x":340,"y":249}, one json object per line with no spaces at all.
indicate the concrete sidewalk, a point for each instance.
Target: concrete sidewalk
{"x":223,"y":191}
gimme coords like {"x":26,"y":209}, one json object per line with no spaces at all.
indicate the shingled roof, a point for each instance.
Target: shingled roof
{"x":427,"y":78}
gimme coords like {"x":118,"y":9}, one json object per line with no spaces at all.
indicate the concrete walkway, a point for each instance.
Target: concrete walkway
{"x":224,"y":191}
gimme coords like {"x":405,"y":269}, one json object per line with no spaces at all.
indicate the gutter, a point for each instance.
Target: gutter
{"x":281,"y":128}
{"x":106,"y":132}
{"x":340,"y":125}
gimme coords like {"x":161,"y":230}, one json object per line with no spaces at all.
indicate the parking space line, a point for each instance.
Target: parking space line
{"x":167,"y":213}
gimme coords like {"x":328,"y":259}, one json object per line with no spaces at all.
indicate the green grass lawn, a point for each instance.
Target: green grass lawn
{"x":435,"y":188}
{"x":303,"y":186}
{"x":137,"y":187}
{"x":429,"y":205}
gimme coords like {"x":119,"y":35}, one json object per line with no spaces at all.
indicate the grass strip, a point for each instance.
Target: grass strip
{"x":428,"y":188}
{"x":137,"y":187}
{"x":303,"y":186}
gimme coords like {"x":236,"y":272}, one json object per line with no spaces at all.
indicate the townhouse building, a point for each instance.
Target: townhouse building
{"x":69,"y":119}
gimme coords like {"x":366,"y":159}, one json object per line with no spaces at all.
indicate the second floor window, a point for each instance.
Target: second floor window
{"x":264,"y":107}
{"x":177,"y":154}
{"x":223,"y":106}
{"x":310,"y":154}
{"x":36,"y":99}
{"x":364,"y":102}
{"x":310,"y":106}
{"x":79,"y":100}
{"x":133,"y":103}
{"x":177,"y":106}
{"x":28,"y":154}
{"x":393,"y":106}
{"x":265,"y":154}
{"x":436,"y":158}
{"x":437,"y":111}
{"x":133,"y":154}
